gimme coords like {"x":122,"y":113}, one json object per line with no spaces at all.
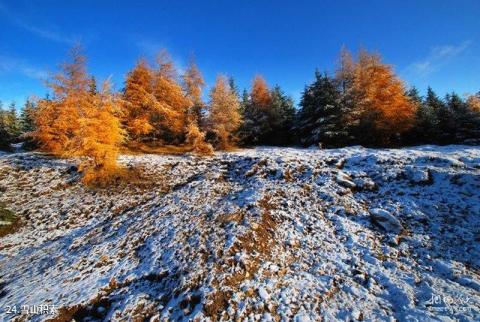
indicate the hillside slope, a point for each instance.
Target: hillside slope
{"x":266,"y":234}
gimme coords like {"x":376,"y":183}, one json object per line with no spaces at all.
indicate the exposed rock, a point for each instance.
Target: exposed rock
{"x":417,"y":175}
{"x":345,"y":180}
{"x":385,"y":220}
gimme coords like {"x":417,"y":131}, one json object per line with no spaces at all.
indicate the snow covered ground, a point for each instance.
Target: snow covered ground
{"x":266,"y":234}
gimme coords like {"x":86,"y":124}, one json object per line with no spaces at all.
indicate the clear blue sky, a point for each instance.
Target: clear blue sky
{"x":429,"y":42}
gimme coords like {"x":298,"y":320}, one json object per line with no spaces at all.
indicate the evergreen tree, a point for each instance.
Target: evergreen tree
{"x":93,"y":86}
{"x":425,"y":129}
{"x":320,"y":119}
{"x":5,"y":138}
{"x":465,"y":122}
{"x":13,"y":122}
{"x":233,"y":86}
{"x":283,"y":115}
{"x":27,"y":117}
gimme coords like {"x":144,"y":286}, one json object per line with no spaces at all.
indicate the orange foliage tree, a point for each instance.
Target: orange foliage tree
{"x":473,"y":102}
{"x":78,"y":122}
{"x":99,"y":137}
{"x":224,"y":113}
{"x":139,"y":101}
{"x":170,"y":119}
{"x":193,"y":84}
{"x":260,"y":94}
{"x":155,"y":105}
{"x":381,"y":106}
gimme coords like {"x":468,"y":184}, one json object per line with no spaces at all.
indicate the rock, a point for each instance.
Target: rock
{"x":385,"y":220}
{"x":416,"y":175}
{"x":263,"y":293}
{"x":365,"y":184}
{"x":302,"y":317}
{"x":344,"y":180}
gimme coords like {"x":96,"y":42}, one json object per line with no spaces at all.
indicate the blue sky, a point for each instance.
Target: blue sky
{"x":429,"y":42}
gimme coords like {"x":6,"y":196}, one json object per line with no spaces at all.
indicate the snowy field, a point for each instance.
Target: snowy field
{"x":271,"y":234}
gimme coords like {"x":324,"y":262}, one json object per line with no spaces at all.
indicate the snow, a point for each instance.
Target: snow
{"x":259,"y":234}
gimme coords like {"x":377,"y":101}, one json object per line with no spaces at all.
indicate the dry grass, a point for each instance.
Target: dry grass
{"x":9,"y":217}
{"x":258,"y":243}
{"x":143,"y":148}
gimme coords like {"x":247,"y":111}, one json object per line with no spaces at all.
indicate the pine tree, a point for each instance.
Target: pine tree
{"x":426,"y":122}
{"x":233,"y":86}
{"x":5,"y":138}
{"x":283,"y":115}
{"x":224,"y":117}
{"x":27,"y":117}
{"x":13,"y":122}
{"x":27,"y":125}
{"x":464,"y":123}
{"x":93,"y":86}
{"x":320,"y":117}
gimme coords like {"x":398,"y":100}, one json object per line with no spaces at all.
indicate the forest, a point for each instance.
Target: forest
{"x":361,"y":101}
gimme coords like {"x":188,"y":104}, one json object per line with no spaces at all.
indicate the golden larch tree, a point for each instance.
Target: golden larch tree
{"x":224,"y":112}
{"x":99,"y":137}
{"x":173,"y":105}
{"x":196,"y":139}
{"x":344,"y":73}
{"x":260,"y":93}
{"x":380,"y":97}
{"x":78,"y":122}
{"x":139,"y":101}
{"x":193,"y":85}
{"x":57,"y":117}
{"x":473,"y":102}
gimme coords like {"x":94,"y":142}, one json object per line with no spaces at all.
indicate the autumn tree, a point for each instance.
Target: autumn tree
{"x":139,"y":101}
{"x":257,"y":113}
{"x":99,"y":137}
{"x":170,"y":119}
{"x":345,"y":72}
{"x":223,"y":115}
{"x":382,"y":111}
{"x":196,"y":139}
{"x":473,"y":102}
{"x":77,"y":122}
{"x":194,"y":84}
{"x":57,"y":117}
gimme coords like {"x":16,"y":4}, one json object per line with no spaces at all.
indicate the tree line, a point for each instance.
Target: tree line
{"x":361,"y":102}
